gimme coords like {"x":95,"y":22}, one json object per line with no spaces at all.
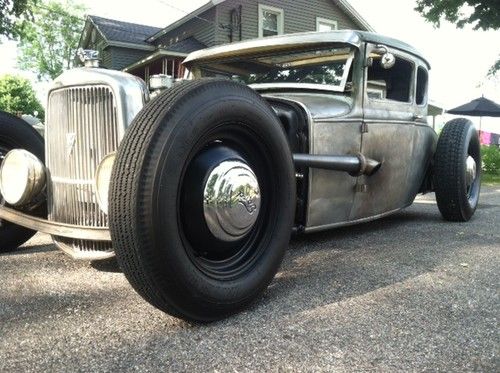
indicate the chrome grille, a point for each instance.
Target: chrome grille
{"x":82,"y":128}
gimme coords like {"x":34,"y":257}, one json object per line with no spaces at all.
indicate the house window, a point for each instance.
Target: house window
{"x":270,"y":21}
{"x":323,"y":24}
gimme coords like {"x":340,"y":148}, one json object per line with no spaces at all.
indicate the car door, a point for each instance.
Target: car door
{"x":331,"y":193}
{"x":389,"y":135}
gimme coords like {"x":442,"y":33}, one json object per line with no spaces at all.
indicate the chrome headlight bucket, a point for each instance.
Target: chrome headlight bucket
{"x":102,"y":180}
{"x":22,"y":177}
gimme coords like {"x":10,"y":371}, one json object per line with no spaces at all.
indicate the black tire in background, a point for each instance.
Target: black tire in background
{"x":15,"y":133}
{"x":456,"y":200}
{"x":160,"y":238}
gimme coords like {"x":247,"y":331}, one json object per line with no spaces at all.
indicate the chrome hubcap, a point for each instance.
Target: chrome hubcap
{"x":231,"y":200}
{"x":470,"y":171}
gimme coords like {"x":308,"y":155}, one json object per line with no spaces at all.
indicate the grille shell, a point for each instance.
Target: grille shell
{"x":82,"y":128}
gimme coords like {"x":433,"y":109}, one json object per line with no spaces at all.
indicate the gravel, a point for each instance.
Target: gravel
{"x":406,"y":293}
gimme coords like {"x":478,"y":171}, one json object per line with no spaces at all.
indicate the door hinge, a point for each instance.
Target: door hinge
{"x":364,"y":127}
{"x":361,"y":188}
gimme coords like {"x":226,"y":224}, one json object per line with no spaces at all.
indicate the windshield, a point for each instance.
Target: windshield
{"x":325,"y":69}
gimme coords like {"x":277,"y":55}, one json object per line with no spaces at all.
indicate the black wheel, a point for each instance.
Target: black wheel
{"x":457,"y":170}
{"x":16,"y":133}
{"x":202,"y":199}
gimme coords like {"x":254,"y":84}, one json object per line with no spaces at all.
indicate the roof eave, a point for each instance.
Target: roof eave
{"x":357,"y":17}
{"x":179,"y":22}
{"x":85,"y":32}
{"x":116,"y":43}
{"x":123,"y":44}
{"x":153,"y":57}
{"x":97,"y":28}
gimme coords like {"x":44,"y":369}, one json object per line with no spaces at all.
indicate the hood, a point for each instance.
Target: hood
{"x":320,"y":105}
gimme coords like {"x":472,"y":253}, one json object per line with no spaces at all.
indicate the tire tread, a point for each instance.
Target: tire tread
{"x":129,"y":174}
{"x":448,"y":167}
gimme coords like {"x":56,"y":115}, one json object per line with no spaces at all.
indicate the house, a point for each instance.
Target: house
{"x":119,"y":43}
{"x":144,"y":50}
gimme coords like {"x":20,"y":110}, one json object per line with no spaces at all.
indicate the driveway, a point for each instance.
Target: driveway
{"x":408,"y":292}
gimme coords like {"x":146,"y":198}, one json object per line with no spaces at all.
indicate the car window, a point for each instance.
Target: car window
{"x":391,"y":84}
{"x":422,"y":78}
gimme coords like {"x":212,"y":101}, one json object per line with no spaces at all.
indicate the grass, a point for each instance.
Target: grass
{"x":490,"y":179}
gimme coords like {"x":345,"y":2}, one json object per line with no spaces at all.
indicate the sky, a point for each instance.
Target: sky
{"x":459,"y":59}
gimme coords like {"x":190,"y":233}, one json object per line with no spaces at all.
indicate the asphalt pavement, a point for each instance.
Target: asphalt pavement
{"x":410,"y":292}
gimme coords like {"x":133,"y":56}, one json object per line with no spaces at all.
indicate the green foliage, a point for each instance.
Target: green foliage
{"x":494,"y":69}
{"x":489,"y":179}
{"x":17,"y":95}
{"x":14,"y":14}
{"x":48,"y":45}
{"x":481,"y":14}
{"x":491,"y":159}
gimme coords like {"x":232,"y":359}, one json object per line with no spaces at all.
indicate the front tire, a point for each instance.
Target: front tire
{"x":457,"y":170}
{"x":15,"y":133}
{"x":202,"y":199}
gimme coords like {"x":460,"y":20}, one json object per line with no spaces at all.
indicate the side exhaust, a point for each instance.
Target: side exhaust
{"x":355,"y":165}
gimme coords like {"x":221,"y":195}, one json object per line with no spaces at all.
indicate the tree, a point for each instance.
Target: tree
{"x":48,"y":45}
{"x":17,"y":95}
{"x":14,"y":14}
{"x":481,"y":14}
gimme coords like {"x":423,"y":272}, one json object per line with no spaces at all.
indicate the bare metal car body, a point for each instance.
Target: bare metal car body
{"x":89,"y":110}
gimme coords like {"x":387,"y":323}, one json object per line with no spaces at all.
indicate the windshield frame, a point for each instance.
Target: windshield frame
{"x":310,"y":86}
{"x":291,"y":85}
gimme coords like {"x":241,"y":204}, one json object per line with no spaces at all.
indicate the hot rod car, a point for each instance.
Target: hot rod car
{"x":197,"y":189}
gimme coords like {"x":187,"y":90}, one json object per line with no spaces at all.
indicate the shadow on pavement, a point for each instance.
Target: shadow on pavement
{"x":336,"y":265}
{"x":106,"y":265}
{"x":23,"y":250}
{"x":332,"y":266}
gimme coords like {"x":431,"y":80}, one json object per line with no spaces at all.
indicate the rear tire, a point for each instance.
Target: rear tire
{"x":457,"y":194}
{"x":162,"y":238}
{"x":15,"y":133}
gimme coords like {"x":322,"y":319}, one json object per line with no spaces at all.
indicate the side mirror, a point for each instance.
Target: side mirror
{"x":387,"y":59}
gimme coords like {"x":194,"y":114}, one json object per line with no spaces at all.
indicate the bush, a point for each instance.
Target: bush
{"x":491,"y":159}
{"x":17,"y":95}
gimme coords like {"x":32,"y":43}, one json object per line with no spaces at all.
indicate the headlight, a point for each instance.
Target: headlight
{"x":102,"y":180}
{"x":22,"y":177}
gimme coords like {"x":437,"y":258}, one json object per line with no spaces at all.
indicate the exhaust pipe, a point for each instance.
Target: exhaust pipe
{"x":355,"y":165}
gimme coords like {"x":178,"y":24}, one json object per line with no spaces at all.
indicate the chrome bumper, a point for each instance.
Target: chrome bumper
{"x":55,"y":228}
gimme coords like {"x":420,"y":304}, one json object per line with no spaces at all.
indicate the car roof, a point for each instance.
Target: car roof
{"x":291,"y":41}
